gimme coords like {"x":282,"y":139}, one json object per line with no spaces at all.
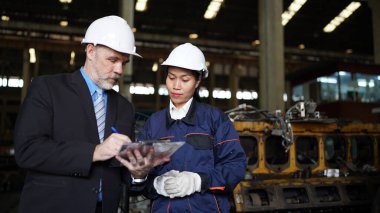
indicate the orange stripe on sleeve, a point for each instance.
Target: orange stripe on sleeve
{"x":220,"y":188}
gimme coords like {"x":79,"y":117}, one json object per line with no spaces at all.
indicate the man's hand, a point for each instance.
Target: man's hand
{"x":110,"y":147}
{"x":138,"y":165}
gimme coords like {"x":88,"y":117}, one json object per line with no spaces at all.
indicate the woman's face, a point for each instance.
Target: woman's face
{"x":181,"y":84}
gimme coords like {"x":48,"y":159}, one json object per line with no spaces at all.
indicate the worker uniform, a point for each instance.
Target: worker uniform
{"x":212,"y":150}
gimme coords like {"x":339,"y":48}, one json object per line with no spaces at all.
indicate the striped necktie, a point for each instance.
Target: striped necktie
{"x":100,"y":121}
{"x":100,"y":113}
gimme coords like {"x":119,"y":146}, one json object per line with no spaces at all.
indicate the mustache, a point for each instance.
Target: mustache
{"x":115,"y":76}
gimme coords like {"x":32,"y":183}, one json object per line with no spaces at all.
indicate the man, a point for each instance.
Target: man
{"x":63,"y":133}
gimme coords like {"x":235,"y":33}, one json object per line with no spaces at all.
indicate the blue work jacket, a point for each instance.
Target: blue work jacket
{"x":212,"y":150}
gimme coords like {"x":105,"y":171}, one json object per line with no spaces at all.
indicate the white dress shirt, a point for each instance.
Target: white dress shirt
{"x":180,"y":113}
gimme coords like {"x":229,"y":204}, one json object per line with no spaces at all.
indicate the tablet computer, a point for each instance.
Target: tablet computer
{"x":161,"y":148}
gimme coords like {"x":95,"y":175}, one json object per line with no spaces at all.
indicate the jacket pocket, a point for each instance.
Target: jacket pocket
{"x":199,"y":141}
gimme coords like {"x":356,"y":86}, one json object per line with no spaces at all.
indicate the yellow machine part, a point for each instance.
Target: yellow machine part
{"x":294,"y":184}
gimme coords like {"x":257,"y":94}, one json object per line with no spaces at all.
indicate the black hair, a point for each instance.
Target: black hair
{"x":198,"y":76}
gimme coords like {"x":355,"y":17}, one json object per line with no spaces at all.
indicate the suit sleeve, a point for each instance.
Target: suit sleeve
{"x":147,"y":189}
{"x":35,"y":147}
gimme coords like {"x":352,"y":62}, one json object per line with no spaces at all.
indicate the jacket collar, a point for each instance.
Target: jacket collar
{"x":80,"y":87}
{"x":189,"y":119}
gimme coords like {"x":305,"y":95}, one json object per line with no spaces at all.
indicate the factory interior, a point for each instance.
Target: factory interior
{"x":268,"y":54}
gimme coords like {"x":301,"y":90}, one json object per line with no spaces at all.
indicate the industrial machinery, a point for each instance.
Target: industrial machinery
{"x":301,"y":160}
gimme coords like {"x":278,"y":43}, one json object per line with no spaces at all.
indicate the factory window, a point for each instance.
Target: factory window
{"x":329,"y":87}
{"x":359,"y":87}
{"x":148,"y":89}
{"x":340,"y":86}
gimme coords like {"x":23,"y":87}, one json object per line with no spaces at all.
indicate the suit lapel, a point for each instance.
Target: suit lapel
{"x":111,"y":112}
{"x":80,"y":87}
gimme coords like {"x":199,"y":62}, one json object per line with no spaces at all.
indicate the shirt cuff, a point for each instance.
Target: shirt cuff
{"x":138,"y":180}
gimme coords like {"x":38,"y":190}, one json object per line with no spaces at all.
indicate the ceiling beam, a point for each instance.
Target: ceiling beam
{"x":17,"y":34}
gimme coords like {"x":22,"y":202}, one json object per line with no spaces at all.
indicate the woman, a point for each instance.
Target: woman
{"x":203,"y":172}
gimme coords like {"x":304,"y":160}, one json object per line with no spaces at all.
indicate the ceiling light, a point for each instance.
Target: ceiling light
{"x":213,"y":9}
{"x":63,"y":23}
{"x":3,"y":82}
{"x":349,"y":51}
{"x":141,"y":5}
{"x":285,"y":97}
{"x":5,"y":18}
{"x":59,"y":37}
{"x":32,"y":55}
{"x":72,"y":58}
{"x":155,"y":67}
{"x":15,"y":81}
{"x":255,"y":42}
{"x":193,"y":36}
{"x":301,"y":46}
{"x":347,"y":12}
{"x":292,"y":10}
{"x":65,"y":1}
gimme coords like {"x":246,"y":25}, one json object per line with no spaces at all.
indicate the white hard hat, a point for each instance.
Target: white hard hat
{"x":113,"y":32}
{"x":189,"y":57}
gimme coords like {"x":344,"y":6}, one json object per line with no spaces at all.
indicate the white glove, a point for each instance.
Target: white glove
{"x":159,"y":182}
{"x":184,"y":183}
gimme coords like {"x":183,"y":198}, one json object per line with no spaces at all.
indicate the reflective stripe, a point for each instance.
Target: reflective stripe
{"x":221,"y":188}
{"x":216,"y":203}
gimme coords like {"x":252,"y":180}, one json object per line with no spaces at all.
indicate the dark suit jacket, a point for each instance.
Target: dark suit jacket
{"x":55,"y":137}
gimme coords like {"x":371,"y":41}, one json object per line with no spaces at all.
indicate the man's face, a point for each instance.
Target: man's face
{"x":105,"y":65}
